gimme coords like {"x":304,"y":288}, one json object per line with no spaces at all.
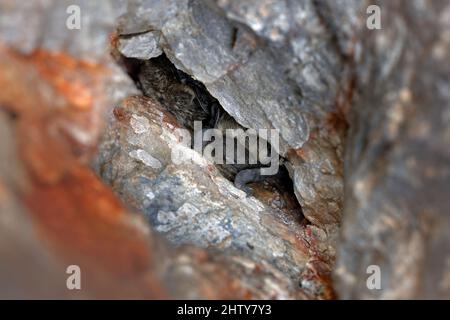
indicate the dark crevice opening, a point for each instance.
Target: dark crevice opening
{"x":168,"y":85}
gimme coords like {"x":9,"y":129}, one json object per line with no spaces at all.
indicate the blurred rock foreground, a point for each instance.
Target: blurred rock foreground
{"x":87,"y":178}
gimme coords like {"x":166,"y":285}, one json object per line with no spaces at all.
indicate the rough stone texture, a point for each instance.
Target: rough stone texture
{"x":41,"y":24}
{"x":270,"y":65}
{"x":192,"y":203}
{"x":143,"y":46}
{"x":56,"y":212}
{"x":311,"y":41}
{"x":308,"y":68}
{"x":397,"y":159}
{"x":23,"y":255}
{"x":245,"y":79}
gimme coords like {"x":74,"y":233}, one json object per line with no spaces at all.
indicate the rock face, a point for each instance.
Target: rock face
{"x":397,"y":166}
{"x":283,"y":70}
{"x":297,"y":84}
{"x":186,"y":199}
{"x":91,"y":171}
{"x":57,"y":91}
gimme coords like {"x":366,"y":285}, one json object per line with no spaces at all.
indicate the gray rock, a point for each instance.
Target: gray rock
{"x":312,"y":43}
{"x":42,"y":24}
{"x":226,"y":57}
{"x":266,"y":75}
{"x":191,"y":203}
{"x":310,"y":69}
{"x":398,"y":178}
{"x":119,"y":255}
{"x":143,"y":46}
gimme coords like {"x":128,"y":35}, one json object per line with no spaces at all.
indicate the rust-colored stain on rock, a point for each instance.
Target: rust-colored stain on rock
{"x":80,"y":217}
